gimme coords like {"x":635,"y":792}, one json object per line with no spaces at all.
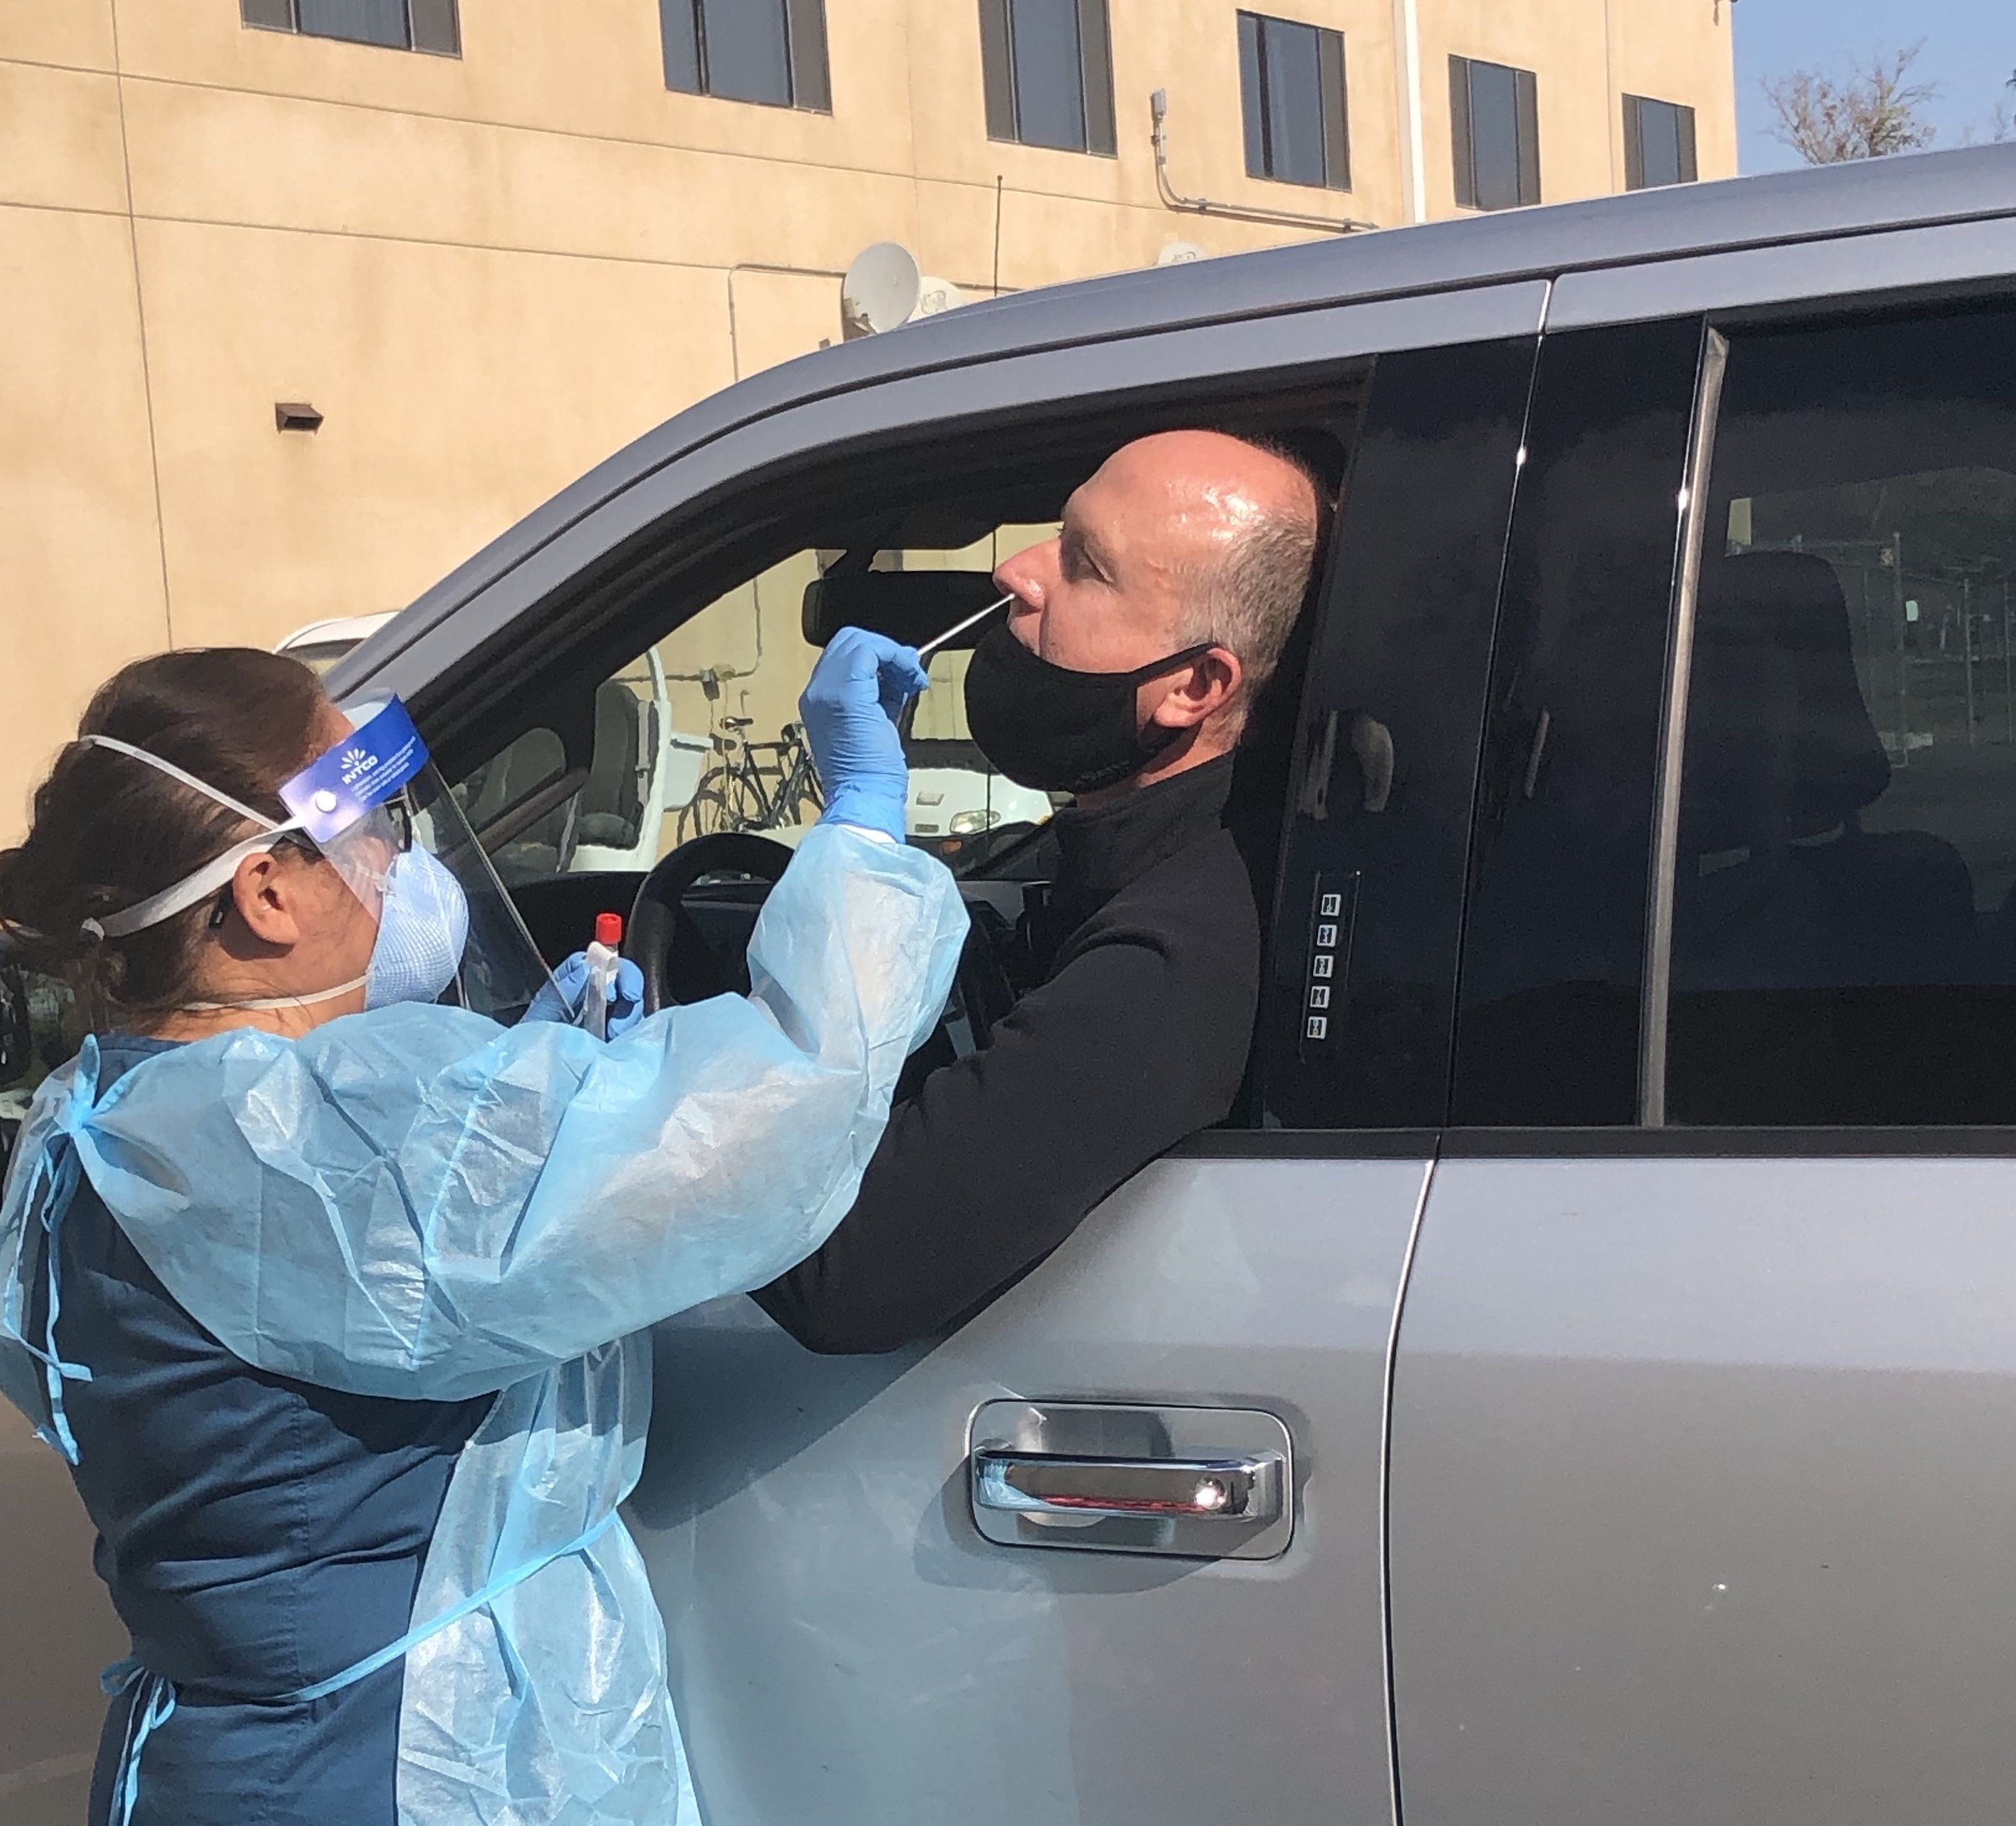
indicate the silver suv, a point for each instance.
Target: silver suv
{"x":1580,"y":1384}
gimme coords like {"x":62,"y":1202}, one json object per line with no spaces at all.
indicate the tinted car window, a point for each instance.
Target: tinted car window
{"x":1844,"y":906}
{"x":1363,"y":989}
{"x":1548,"y":1032}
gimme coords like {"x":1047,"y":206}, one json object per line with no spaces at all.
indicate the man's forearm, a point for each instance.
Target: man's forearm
{"x":917,"y":1251}
{"x":1000,"y":1157}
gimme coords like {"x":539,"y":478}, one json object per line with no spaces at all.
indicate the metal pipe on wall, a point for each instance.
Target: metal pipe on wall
{"x":1158,"y":112}
{"x":1413,"y":142}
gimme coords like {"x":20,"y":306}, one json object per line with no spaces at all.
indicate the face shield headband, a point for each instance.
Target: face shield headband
{"x":212,"y":878}
{"x":349,"y":801}
{"x":336,"y":801}
{"x":375,"y":808}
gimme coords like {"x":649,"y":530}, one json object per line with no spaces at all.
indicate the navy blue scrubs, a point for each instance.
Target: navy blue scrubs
{"x":257,"y":1535}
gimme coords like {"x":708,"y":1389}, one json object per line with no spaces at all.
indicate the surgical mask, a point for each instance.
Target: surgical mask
{"x":422,"y":926}
{"x":1047,"y":726}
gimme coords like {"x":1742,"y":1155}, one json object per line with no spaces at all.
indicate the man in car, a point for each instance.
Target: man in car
{"x":1123,"y":674}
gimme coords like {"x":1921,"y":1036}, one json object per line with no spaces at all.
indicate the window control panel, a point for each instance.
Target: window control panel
{"x":1332,"y":910}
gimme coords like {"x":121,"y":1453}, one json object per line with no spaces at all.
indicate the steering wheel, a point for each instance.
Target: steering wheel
{"x":660,"y":931}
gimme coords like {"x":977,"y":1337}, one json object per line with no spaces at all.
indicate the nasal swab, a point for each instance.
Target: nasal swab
{"x":959,"y":628}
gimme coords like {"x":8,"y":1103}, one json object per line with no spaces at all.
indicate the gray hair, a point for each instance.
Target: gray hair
{"x":1250,"y":601}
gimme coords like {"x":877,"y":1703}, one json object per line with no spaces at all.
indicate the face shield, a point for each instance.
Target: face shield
{"x":375,"y":809}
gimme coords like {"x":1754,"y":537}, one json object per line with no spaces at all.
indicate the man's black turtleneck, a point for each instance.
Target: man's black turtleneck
{"x":1137,"y":1038}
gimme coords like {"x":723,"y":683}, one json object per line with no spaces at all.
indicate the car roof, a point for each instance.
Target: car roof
{"x":1865,"y":197}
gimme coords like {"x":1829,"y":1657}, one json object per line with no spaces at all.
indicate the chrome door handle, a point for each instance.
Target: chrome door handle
{"x":1103,"y":1477}
{"x":1057,"y":1489}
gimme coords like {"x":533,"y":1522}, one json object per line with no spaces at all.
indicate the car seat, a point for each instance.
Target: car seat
{"x":610,"y":810}
{"x":1788,"y":913}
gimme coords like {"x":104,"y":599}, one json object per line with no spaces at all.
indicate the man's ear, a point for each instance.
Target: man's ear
{"x":264,"y":894}
{"x":1200,"y":690}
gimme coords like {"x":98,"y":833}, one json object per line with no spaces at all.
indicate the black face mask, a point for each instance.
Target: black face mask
{"x":1046,"y":726}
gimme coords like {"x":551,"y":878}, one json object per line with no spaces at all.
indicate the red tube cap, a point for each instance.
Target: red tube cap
{"x":609,"y":930}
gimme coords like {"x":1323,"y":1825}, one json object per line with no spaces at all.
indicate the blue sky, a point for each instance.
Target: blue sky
{"x":1970,"y":52}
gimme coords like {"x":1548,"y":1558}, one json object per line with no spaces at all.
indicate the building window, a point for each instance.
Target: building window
{"x":768,"y":51}
{"x":401,"y":25}
{"x":1048,"y":66}
{"x":1495,"y":115}
{"x":1658,"y":143}
{"x":1291,"y":80}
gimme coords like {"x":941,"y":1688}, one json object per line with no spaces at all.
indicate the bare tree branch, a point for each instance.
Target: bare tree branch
{"x":1877,"y":111}
{"x":2001,"y":123}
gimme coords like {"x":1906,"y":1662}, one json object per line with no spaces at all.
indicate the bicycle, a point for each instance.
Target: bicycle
{"x":754,"y":786}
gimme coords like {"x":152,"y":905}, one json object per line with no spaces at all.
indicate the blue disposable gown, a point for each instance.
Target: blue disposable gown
{"x":416,"y":1203}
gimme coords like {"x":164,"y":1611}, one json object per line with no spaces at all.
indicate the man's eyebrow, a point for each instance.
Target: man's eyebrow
{"x":1075,"y":535}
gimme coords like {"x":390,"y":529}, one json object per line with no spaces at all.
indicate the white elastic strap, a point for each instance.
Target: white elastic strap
{"x":174,"y":773}
{"x":277,"y":1001}
{"x":212,"y":878}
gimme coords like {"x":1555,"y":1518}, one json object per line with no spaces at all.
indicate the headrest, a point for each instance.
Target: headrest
{"x":1780,"y":744}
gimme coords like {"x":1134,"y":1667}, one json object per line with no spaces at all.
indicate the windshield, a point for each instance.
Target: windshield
{"x":700,"y":734}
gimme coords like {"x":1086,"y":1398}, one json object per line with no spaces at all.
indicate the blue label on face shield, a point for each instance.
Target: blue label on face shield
{"x":358,"y":775}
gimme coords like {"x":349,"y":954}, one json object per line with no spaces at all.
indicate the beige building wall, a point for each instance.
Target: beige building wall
{"x":490,"y":271}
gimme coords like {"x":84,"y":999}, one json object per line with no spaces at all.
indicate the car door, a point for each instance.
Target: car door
{"x":1705,"y":1399}
{"x":854,"y":1640}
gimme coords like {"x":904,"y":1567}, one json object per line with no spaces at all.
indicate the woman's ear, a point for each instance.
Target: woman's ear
{"x":265,"y":894}
{"x":1200,"y":690}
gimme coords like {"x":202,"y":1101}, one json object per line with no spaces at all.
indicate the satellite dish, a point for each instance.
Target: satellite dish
{"x":934,"y":295}
{"x":881,"y":290}
{"x":1179,"y":253}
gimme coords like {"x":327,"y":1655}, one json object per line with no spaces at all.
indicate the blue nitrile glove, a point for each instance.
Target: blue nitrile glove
{"x":560,"y":999}
{"x":850,"y":708}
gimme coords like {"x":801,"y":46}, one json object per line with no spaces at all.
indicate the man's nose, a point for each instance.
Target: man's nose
{"x":1024,"y":576}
